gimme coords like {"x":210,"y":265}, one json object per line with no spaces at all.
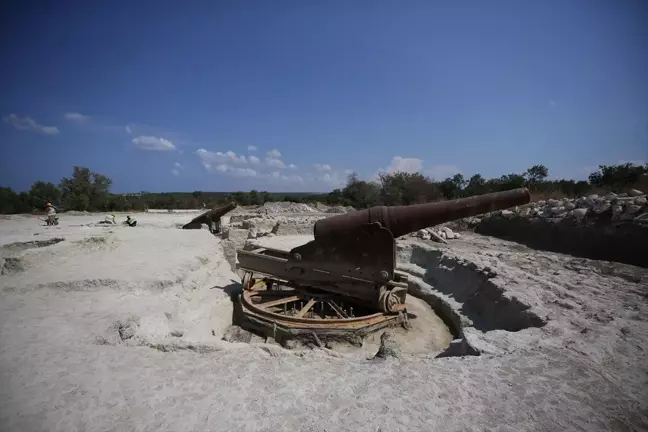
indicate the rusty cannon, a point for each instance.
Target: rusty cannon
{"x":346,"y":277}
{"x":211,"y":218}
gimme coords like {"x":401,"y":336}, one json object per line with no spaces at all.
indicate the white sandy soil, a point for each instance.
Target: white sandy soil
{"x":119,"y":329}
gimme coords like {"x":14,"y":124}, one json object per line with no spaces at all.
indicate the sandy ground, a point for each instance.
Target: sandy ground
{"x":118,"y":329}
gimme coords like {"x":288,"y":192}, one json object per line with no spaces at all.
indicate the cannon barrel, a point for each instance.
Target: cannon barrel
{"x":210,"y":216}
{"x":401,"y":220}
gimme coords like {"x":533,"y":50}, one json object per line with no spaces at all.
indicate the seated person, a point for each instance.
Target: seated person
{"x":130,"y":221}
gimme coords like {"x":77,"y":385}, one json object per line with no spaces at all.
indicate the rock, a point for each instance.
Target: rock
{"x":601,"y":208}
{"x":435,"y":236}
{"x":421,"y":233}
{"x":507,"y":214}
{"x":640,"y":201}
{"x":449,"y":234}
{"x":632,"y":209}
{"x":634,"y":192}
{"x":616,"y":212}
{"x":442,"y":234}
{"x":570,"y":206}
{"x":592,"y":197}
{"x":524,"y":212}
{"x":557,"y":210}
{"x":610,"y":196}
{"x":642,"y":219}
{"x":579,"y":212}
{"x":388,"y":347}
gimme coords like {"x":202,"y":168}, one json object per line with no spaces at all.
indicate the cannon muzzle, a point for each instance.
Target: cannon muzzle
{"x":401,"y":220}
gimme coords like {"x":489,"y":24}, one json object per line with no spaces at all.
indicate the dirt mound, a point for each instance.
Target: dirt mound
{"x":286,"y":207}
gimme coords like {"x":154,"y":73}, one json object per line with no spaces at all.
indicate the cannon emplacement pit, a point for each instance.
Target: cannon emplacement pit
{"x":344,"y":283}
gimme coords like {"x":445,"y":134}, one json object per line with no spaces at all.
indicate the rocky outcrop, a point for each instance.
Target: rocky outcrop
{"x":610,"y":227}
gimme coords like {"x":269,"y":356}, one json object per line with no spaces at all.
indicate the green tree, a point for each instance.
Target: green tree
{"x":452,"y":187}
{"x":41,"y":193}
{"x":85,"y":190}
{"x":359,"y":193}
{"x":11,"y":202}
{"x":255,"y":197}
{"x":401,"y":188}
{"x":476,"y":186}
{"x":536,"y":174}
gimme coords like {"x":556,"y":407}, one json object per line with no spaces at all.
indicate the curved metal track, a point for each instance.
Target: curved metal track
{"x":299,"y":310}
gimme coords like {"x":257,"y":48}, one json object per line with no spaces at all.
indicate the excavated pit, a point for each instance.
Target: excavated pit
{"x":447,"y":296}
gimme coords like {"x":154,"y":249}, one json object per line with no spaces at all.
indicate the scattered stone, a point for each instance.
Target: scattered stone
{"x":507,"y":214}
{"x":633,"y":208}
{"x":580,"y":212}
{"x":424,"y":234}
{"x":634,"y":192}
{"x":9,"y":266}
{"x":641,"y":201}
{"x":388,"y":347}
{"x":570,"y":206}
{"x":601,"y":208}
{"x":449,"y":234}
{"x":616,"y":212}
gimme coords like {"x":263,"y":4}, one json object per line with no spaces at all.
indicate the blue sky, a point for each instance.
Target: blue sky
{"x":291,"y":95}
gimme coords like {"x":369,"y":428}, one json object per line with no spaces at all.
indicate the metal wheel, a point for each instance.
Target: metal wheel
{"x":247,"y":281}
{"x":302,"y":308}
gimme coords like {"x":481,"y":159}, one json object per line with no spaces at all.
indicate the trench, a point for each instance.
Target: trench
{"x":599,"y":239}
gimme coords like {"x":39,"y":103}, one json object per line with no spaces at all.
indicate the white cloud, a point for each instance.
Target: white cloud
{"x":128,"y":129}
{"x":76,"y":117}
{"x":293,"y":178}
{"x":332,"y":179}
{"x":404,"y":164}
{"x":320,"y":167}
{"x":254,"y":160}
{"x":292,"y":166}
{"x":153,"y":143}
{"x":441,"y":172}
{"x":552,"y":102}
{"x":29,"y":124}
{"x":273,"y":154}
{"x":235,"y":171}
{"x":275,"y":163}
{"x":175,"y":172}
{"x":400,"y":164}
{"x":252,"y":148}
{"x":217,"y":158}
{"x":178,"y":165}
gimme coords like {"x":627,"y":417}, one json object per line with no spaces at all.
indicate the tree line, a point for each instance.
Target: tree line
{"x":89,"y":191}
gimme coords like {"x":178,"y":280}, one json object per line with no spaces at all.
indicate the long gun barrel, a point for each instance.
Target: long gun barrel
{"x":210,"y":216}
{"x":401,"y":220}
